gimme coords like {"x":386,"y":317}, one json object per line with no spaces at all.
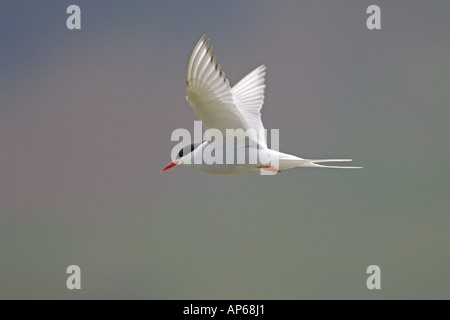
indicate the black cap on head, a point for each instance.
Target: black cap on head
{"x":186,"y":150}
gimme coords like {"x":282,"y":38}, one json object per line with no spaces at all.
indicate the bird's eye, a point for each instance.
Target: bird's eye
{"x":180,"y":154}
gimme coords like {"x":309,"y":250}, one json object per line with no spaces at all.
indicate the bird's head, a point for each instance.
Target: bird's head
{"x":182,"y":154}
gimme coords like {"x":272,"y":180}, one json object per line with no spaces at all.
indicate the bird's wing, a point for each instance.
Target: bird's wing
{"x":248,"y":95}
{"x":209,"y":93}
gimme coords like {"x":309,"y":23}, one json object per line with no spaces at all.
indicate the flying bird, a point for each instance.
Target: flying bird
{"x":222,"y":107}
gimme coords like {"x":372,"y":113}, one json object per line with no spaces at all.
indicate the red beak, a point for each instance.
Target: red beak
{"x":170,"y":165}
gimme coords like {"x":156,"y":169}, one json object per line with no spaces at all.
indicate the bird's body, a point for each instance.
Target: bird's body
{"x":221,"y":108}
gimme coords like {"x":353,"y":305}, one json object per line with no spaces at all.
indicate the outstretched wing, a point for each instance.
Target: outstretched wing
{"x":248,"y":95}
{"x":209,"y":93}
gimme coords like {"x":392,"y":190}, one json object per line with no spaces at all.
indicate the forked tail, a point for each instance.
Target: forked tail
{"x":313,"y":163}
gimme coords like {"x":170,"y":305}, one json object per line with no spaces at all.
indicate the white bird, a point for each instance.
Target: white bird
{"x":221,"y":107}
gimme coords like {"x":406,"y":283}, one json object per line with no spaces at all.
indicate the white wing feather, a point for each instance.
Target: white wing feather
{"x":215,"y":103}
{"x":248,"y":95}
{"x":209,"y":93}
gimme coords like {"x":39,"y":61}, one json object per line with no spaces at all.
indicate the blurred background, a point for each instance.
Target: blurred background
{"x":85,"y":124}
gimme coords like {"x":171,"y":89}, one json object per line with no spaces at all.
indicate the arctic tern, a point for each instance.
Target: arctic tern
{"x":222,"y":107}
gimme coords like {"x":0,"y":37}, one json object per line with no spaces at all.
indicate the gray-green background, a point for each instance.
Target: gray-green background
{"x":85,"y":124}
